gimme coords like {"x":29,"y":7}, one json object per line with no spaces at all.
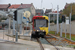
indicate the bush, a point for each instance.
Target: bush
{"x":55,"y":21}
{"x":3,"y":18}
{"x":51,"y":21}
{"x":73,"y":17}
{"x":60,"y":21}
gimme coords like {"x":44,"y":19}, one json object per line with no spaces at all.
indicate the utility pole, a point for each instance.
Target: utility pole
{"x":9,"y":25}
{"x":52,"y":6}
{"x":57,"y":18}
{"x":26,"y":21}
{"x":49,"y":22}
{"x":13,"y":26}
{"x":61,"y":30}
{"x":41,"y":3}
{"x":70,"y":26}
{"x":65,"y":30}
{"x":70,"y":21}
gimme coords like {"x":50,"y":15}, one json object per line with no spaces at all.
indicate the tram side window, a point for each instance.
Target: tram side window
{"x":46,"y":23}
{"x":40,"y":23}
{"x":34,"y":24}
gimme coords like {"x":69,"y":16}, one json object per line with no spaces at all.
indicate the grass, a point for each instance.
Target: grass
{"x":52,"y":32}
{"x":67,"y":36}
{"x":63,"y":35}
{"x":73,"y":46}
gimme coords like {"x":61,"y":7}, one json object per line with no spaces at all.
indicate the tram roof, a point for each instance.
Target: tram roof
{"x":37,"y":16}
{"x":53,"y":13}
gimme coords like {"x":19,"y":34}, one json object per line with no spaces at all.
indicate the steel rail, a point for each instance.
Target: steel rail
{"x":42,"y":48}
{"x":52,"y":44}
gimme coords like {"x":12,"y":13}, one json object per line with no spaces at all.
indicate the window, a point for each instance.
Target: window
{"x":40,"y":23}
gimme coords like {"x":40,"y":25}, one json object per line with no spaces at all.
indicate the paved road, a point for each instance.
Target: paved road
{"x":25,"y":44}
{"x":14,"y":46}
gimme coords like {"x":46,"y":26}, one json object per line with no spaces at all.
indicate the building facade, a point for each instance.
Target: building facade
{"x":39,"y":12}
{"x":22,"y":6}
{"x":4,"y":7}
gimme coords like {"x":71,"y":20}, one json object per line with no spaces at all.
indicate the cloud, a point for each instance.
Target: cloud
{"x":1,"y":0}
{"x":37,"y":3}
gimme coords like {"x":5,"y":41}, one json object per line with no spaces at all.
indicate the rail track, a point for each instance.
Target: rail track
{"x":41,"y":46}
{"x":51,"y":43}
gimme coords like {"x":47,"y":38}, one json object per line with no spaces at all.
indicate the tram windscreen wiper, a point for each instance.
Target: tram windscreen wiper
{"x":42,"y":25}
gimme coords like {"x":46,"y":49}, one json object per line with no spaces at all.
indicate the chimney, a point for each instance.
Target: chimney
{"x":9,"y":4}
{"x":21,"y":3}
{"x":66,"y":3}
{"x":31,"y":3}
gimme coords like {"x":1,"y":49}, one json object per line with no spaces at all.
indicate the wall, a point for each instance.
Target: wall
{"x":11,"y":9}
{"x":32,"y":10}
{"x":54,"y":27}
{"x":21,"y":15}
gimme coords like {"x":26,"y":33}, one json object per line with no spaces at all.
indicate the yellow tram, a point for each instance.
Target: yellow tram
{"x":40,"y":26}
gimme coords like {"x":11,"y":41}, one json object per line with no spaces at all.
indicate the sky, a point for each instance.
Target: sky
{"x":46,"y":4}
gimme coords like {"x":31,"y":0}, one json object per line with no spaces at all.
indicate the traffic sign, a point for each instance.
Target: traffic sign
{"x":27,"y":14}
{"x":24,"y":17}
{"x":27,"y":21}
{"x":67,"y":20}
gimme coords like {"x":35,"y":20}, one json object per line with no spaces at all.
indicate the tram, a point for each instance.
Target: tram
{"x":40,"y":26}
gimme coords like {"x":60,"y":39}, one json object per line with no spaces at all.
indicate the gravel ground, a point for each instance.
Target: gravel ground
{"x":57,"y":41}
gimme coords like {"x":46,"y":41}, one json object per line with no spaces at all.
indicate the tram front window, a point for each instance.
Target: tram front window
{"x":40,"y":23}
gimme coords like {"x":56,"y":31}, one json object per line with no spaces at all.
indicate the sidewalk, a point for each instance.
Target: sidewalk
{"x":17,"y":46}
{"x":27,"y":45}
{"x":24,"y":44}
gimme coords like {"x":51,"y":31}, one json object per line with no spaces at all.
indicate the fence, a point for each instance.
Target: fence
{"x":6,"y":34}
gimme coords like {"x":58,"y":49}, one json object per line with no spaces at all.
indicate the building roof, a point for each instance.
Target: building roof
{"x":54,"y":12}
{"x":48,"y":10}
{"x":4,"y":5}
{"x":20,"y":6}
{"x":25,"y":5}
{"x":39,"y":10}
{"x":66,"y":6}
{"x":14,"y":6}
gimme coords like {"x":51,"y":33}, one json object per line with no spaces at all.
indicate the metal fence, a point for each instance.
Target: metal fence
{"x":6,"y":34}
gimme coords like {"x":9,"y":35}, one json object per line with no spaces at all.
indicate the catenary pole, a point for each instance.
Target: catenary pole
{"x":57,"y":18}
{"x":49,"y":22}
{"x":70,"y":21}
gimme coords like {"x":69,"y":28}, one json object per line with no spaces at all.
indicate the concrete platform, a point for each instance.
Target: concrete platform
{"x":24,"y":44}
{"x":16,"y":46}
{"x":27,"y":45}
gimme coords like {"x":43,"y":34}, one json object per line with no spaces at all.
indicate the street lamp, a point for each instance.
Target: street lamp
{"x":41,"y":3}
{"x":43,"y":10}
{"x":52,"y":6}
{"x":70,"y":21}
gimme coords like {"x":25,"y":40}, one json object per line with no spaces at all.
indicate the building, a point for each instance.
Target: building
{"x":23,"y":19}
{"x":53,"y":15}
{"x":4,"y":7}
{"x":13,"y":7}
{"x":47,"y":11}
{"x":39,"y":12}
{"x":23,"y":6}
{"x":66,"y":5}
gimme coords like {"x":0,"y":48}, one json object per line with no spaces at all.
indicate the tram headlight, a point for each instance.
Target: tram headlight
{"x":43,"y":30}
{"x":37,"y":30}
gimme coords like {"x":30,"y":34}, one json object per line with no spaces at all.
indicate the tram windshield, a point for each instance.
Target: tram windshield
{"x":41,"y":23}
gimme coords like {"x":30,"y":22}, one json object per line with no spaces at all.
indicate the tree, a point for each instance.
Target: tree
{"x":67,"y":11}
